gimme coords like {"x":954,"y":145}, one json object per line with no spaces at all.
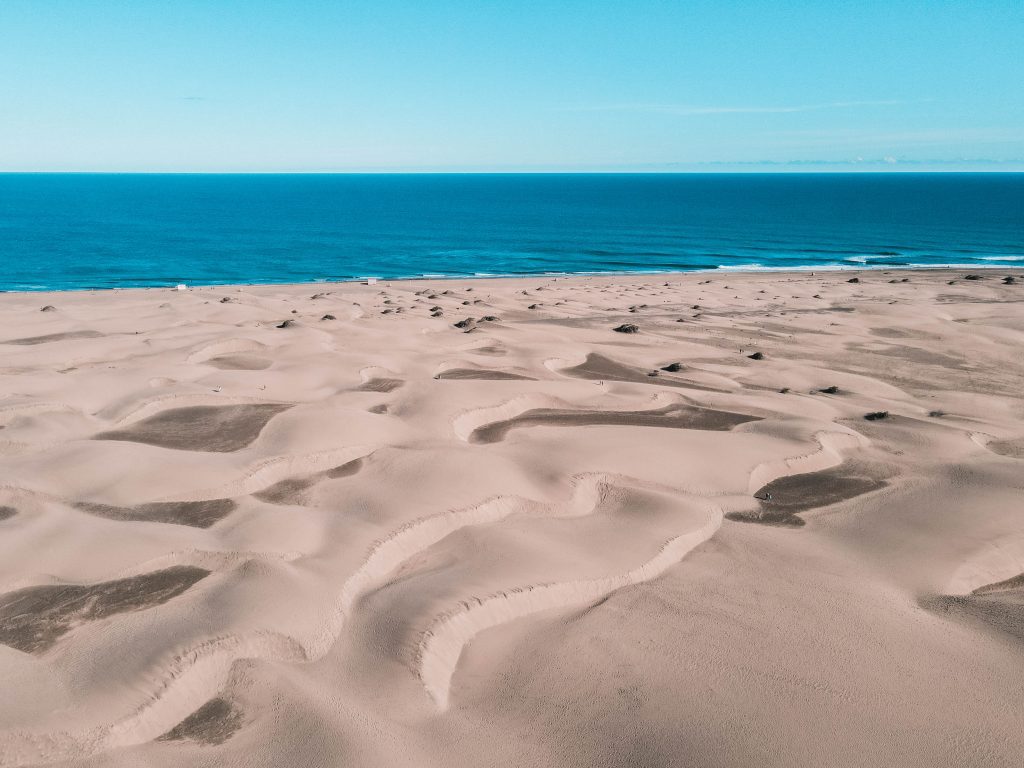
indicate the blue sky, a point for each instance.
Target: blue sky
{"x":232,"y":85}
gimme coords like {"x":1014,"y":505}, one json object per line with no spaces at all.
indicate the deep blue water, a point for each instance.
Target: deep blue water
{"x":65,"y":231}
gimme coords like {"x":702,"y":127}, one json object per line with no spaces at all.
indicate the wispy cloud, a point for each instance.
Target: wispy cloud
{"x":938,"y":137}
{"x":687,"y":109}
{"x":887,"y":160}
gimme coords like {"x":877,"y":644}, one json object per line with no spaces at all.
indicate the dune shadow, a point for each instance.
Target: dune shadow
{"x":197,"y":514}
{"x":220,"y":429}
{"x":914,"y":355}
{"x":1011,"y":585}
{"x":33,"y":619}
{"x":380,"y":385}
{"x":678,"y":416}
{"x":600,"y":368}
{"x":240,"y":363}
{"x":1014,"y":449}
{"x":491,"y":349}
{"x":998,"y":606}
{"x":482,"y":374}
{"x":783,"y":499}
{"x":7,"y":512}
{"x":50,"y":337}
{"x":213,"y":723}
{"x":292,"y":490}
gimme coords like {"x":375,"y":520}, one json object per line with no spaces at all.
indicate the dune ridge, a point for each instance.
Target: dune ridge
{"x":995,"y":561}
{"x":442,"y":644}
{"x":183,"y":681}
{"x":189,"y":677}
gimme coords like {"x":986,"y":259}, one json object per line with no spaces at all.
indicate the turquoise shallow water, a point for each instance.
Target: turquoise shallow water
{"x":75,"y":231}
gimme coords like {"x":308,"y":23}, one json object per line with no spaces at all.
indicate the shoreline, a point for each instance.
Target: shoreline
{"x":724,"y":271}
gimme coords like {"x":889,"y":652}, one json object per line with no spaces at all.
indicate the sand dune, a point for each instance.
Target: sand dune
{"x":377,"y":540}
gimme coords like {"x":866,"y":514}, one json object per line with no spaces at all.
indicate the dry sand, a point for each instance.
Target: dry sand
{"x":466,"y":523}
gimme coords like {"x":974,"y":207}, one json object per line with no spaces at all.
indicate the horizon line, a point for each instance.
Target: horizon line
{"x":1016,"y":169}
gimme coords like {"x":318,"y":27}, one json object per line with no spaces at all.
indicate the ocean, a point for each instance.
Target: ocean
{"x":82,"y":231}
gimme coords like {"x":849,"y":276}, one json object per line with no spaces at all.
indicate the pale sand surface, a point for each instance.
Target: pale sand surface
{"x":382,"y":540}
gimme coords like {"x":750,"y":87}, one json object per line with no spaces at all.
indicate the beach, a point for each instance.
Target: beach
{"x":702,"y":519}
